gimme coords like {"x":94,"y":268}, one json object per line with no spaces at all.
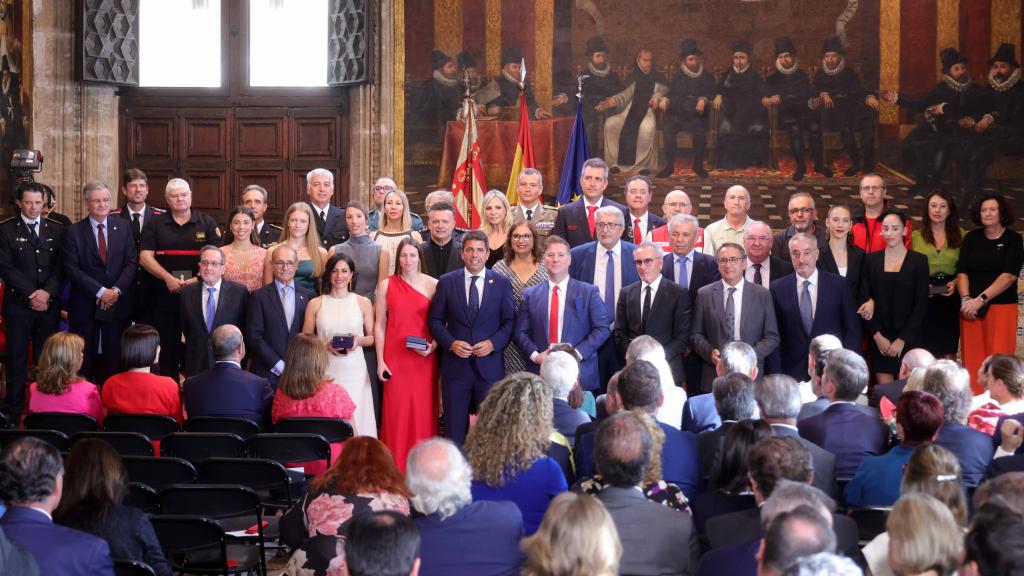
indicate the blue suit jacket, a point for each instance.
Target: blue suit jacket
{"x":997,"y":438}
{"x":972,"y":448}
{"x":481,"y":539}
{"x":849,"y":432}
{"x":703,"y":270}
{"x":226,"y":390}
{"x":735,"y":560}
{"x":82,"y":266}
{"x":877,"y":481}
{"x":834,"y":314}
{"x":267,"y":329}
{"x":59,"y":551}
{"x":572,"y":224}
{"x":449,"y":321}
{"x":700,"y":414}
{"x":584,"y":257}
{"x":584,"y":325}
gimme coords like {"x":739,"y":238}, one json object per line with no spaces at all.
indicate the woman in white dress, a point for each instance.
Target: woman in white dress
{"x":341,"y":312}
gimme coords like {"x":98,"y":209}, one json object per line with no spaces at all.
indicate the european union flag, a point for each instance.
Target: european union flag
{"x":576,"y":155}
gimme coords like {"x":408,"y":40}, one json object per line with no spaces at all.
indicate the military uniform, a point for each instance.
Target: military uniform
{"x":141,"y":294}
{"x":793,"y":87}
{"x":269,"y":234}
{"x":543,"y":218}
{"x":743,"y":127}
{"x":850,"y":111}
{"x":687,"y":89}
{"x":28,"y":263}
{"x":176,"y":248}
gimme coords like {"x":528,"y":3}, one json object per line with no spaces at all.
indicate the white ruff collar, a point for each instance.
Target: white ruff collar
{"x":691,"y":73}
{"x":444,"y":80}
{"x":738,"y":71}
{"x":599,"y":72}
{"x":833,"y":71}
{"x":1005,"y":84}
{"x":787,"y":71}
{"x":956,"y":86}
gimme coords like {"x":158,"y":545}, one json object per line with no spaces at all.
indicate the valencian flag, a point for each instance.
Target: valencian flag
{"x":468,"y":186}
{"x":575,"y":156}
{"x":524,"y":151}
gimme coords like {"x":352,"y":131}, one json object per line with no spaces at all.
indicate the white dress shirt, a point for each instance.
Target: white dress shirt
{"x":643,"y":293}
{"x":206,"y":296}
{"x":563,"y":286}
{"x":765,"y":272}
{"x":737,"y":299}
{"x":600,"y":269}
{"x":812,"y":288}
{"x":481,"y":279}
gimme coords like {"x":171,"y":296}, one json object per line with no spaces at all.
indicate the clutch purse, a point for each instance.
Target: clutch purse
{"x":417,"y":343}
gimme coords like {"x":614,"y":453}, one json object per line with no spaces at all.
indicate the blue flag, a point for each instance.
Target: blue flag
{"x":575,"y":156}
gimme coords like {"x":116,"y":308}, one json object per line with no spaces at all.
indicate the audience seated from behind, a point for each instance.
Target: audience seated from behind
{"x":645,"y":347}
{"x":507,"y":445}
{"x":137,"y":390}
{"x":995,"y":543}
{"x":381,"y":543}
{"x":14,"y":559}
{"x":94,"y":487}
{"x":1003,"y":377}
{"x":576,"y":537}
{"x":58,"y":387}
{"x":655,"y":540}
{"x":31,"y":483}
{"x":924,"y":537}
{"x":951,"y":384}
{"x":811,"y":393}
{"x":877,"y":480}
{"x":1006,"y":490}
{"x":363,"y":480}
{"x":699,"y":413}
{"x":583,"y":444}
{"x":792,"y":535}
{"x":734,"y":401}
{"x":912,"y":360}
{"x":560,"y":372}
{"x":730,"y":487}
{"x":225,"y":389}
{"x":824,"y":564}
{"x":459,"y":536}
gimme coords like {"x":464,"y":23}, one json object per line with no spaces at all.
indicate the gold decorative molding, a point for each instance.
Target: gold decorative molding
{"x":448,"y":26}
{"x":947,"y":28}
{"x":544,"y":37}
{"x":492,"y":37}
{"x":398,"y":135}
{"x":889,"y":56}
{"x":1005,"y":22}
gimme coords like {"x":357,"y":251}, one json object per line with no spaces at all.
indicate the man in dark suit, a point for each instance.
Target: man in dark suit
{"x":31,"y":483}
{"x":442,"y":252}
{"x":654,"y":540}
{"x":809,"y":303}
{"x":803,"y":219}
{"x":99,"y":258}
{"x":691,"y":269}
{"x":913,"y":359}
{"x":846,"y":429}
{"x":471,"y":318}
{"x":762,"y":267}
{"x":139,"y":214}
{"x":577,"y":220}
{"x":778,"y":397}
{"x":562,"y":310}
{"x":329,"y":218}
{"x":817,"y":357}
{"x":733,"y":309}
{"x":655,"y":307}
{"x":30,"y":247}
{"x":641,"y":222}
{"x":275,"y":315}
{"x":734,"y":401}
{"x":207,"y":304}
{"x":226,"y":389}
{"x":459,"y":537}
{"x":254,"y":197}
{"x":951,"y":384}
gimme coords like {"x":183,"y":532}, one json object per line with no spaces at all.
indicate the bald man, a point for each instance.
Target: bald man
{"x":676,"y":202}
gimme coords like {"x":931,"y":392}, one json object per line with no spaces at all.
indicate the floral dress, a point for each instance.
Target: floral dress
{"x":252,"y":276}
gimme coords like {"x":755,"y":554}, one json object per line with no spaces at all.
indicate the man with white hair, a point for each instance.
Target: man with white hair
{"x":457,"y":535}
{"x":328,"y":217}
{"x":814,"y":399}
{"x":915,"y":358}
{"x":734,"y":225}
{"x":644,"y":347}
{"x":762,"y":266}
{"x":951,"y":384}
{"x":700,"y":413}
{"x":676,"y":202}
{"x":381,"y":187}
{"x":561,"y":371}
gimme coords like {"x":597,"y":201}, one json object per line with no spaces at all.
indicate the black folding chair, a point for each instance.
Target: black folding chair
{"x":67,"y":423}
{"x":196,"y":446}
{"x":159,"y":472}
{"x":152,"y":426}
{"x":268,"y":478}
{"x":197,"y":545}
{"x":132,"y":568}
{"x":333,"y":429}
{"x":58,"y":440}
{"x":126,"y":443}
{"x":143,"y":497}
{"x":242,"y":427}
{"x":289,"y":448}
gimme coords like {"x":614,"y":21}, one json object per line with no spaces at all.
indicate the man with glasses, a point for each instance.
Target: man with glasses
{"x":803,"y":219}
{"x":867,"y":228}
{"x":207,"y":304}
{"x":734,"y":225}
{"x":276,"y":312}
{"x":576,"y":221}
{"x":762,"y":266}
{"x":730,"y":310}
{"x":655,"y":307}
{"x":638,"y":199}
{"x":254,"y":197}
{"x":381,"y":187}
{"x":676,"y":202}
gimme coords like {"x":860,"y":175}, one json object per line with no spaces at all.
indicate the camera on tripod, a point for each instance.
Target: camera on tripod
{"x":24,"y":163}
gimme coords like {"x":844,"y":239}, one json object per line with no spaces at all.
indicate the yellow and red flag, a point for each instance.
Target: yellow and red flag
{"x":524,"y":151}
{"x":468,"y":186}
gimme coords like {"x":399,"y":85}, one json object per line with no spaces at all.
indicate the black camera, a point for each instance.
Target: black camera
{"x":24,"y":163}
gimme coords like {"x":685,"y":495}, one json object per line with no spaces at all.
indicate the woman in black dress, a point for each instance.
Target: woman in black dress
{"x":895,"y":286}
{"x":840,"y":256}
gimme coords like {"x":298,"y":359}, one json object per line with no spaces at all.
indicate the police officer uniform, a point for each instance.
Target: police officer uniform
{"x":140,"y":296}
{"x":269,"y":234}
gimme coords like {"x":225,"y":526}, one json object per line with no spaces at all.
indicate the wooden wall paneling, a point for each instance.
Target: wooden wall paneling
{"x":209,"y":190}
{"x":152,"y":135}
{"x":315,"y":137}
{"x":157,"y":179}
{"x":261,"y":135}
{"x":274,"y":180}
{"x":206,"y":135}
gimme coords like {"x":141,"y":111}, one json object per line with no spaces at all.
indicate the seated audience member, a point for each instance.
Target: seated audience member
{"x":382,"y":543}
{"x":994,"y":546}
{"x":734,"y":401}
{"x":560,"y":372}
{"x":137,"y":390}
{"x":932,"y":470}
{"x":846,"y":429}
{"x":362,"y":480}
{"x":31,"y":483}
{"x":793,"y":535}
{"x":924,"y":537}
{"x":95,"y":485}
{"x":577,"y":537}
{"x":1008,"y":456}
{"x":225,"y":389}
{"x":951,"y":384}
{"x":16,"y":560}
{"x":811,"y":393}
{"x":913,"y":359}
{"x":1005,"y":489}
{"x":729,"y":489}
{"x":645,"y":347}
{"x":699,"y":413}
{"x":778,"y":399}
{"x":459,"y":536}
{"x":824,"y":564}
{"x":507,"y":445}
{"x":58,"y":387}
{"x":583,"y":445}
{"x":877,"y":480}
{"x":1003,"y":376}
{"x":655,"y":540}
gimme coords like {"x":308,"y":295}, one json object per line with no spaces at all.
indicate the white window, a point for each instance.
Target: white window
{"x":288,"y":42}
{"x":180,"y":43}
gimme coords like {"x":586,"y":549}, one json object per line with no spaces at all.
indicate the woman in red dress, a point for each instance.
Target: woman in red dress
{"x":408,"y":375}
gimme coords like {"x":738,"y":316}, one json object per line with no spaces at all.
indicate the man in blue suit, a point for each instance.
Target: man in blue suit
{"x":275,"y":315}
{"x":31,"y":482}
{"x":951,"y":384}
{"x":226,"y":389}
{"x":471,"y":318}
{"x":608,"y":265}
{"x":100,"y":259}
{"x":808,"y":303}
{"x":562,"y":310}
{"x":577,"y":221}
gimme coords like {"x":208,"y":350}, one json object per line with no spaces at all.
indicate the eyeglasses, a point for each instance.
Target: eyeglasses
{"x":801,"y":210}
{"x":284,"y":263}
{"x":210,"y":263}
{"x":872,"y":188}
{"x":646,"y":261}
{"x":733,"y":260}
{"x":608,"y":225}
{"x":522,"y":236}
{"x":382,"y":188}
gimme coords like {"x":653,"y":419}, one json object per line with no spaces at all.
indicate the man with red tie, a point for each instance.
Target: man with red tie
{"x":577,"y":220}
{"x":641,"y":222}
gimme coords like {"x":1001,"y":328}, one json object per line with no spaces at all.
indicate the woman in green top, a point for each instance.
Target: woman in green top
{"x":938,"y":239}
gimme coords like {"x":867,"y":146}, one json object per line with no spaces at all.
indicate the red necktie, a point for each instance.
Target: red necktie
{"x":102,"y":243}
{"x":553,"y":314}
{"x":637,"y":235}
{"x":590,"y":218}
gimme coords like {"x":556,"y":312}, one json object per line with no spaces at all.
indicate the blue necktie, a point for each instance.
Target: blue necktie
{"x":32,"y":230}
{"x":806,"y":309}
{"x":211,"y":309}
{"x":609,"y":287}
{"x":474,"y":297}
{"x":682,"y":278}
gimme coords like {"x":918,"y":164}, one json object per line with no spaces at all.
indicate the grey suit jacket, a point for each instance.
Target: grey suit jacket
{"x":655,"y":540}
{"x":757,"y":325}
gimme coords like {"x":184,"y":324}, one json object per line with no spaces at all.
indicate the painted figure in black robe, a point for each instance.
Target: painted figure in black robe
{"x":599,"y":82}
{"x":743,"y":125}
{"x":687,"y":107}
{"x":503,"y":91}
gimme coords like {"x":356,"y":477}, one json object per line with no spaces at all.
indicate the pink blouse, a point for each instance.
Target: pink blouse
{"x":331,"y":401}
{"x":252,"y":276}
{"x":81,"y":397}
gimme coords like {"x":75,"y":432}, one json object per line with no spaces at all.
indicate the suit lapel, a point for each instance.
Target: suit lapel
{"x":275,"y":298}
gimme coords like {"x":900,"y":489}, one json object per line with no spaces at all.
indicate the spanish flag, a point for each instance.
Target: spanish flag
{"x":468,"y":186}
{"x":524,"y":151}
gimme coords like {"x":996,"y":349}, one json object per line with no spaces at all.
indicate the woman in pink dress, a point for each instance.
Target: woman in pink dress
{"x":58,"y":387}
{"x":242,"y":253}
{"x":408,"y":375}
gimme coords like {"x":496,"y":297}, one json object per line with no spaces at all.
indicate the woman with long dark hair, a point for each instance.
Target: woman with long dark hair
{"x":939,"y":240}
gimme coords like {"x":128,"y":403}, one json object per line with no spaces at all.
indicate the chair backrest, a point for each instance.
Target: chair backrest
{"x":159,"y":472}
{"x":65,"y":422}
{"x":126,"y":443}
{"x":152,"y":426}
{"x":333,"y":429}
{"x":132,"y":568}
{"x":870,"y":522}
{"x":243,"y":427}
{"x":216,"y":501}
{"x":58,"y":439}
{"x":143,"y":497}
{"x":181,"y":535}
{"x":259,"y":474}
{"x":289,"y":448}
{"x":198,"y":446}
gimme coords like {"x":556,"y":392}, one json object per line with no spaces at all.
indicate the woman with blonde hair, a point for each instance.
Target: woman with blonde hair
{"x":395,"y":224}
{"x":497,"y":223}
{"x":58,"y":386}
{"x":576,"y":538}
{"x":924,"y":537}
{"x":299,"y":233}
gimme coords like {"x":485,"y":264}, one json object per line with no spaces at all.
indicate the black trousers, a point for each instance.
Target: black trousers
{"x":24,"y":326}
